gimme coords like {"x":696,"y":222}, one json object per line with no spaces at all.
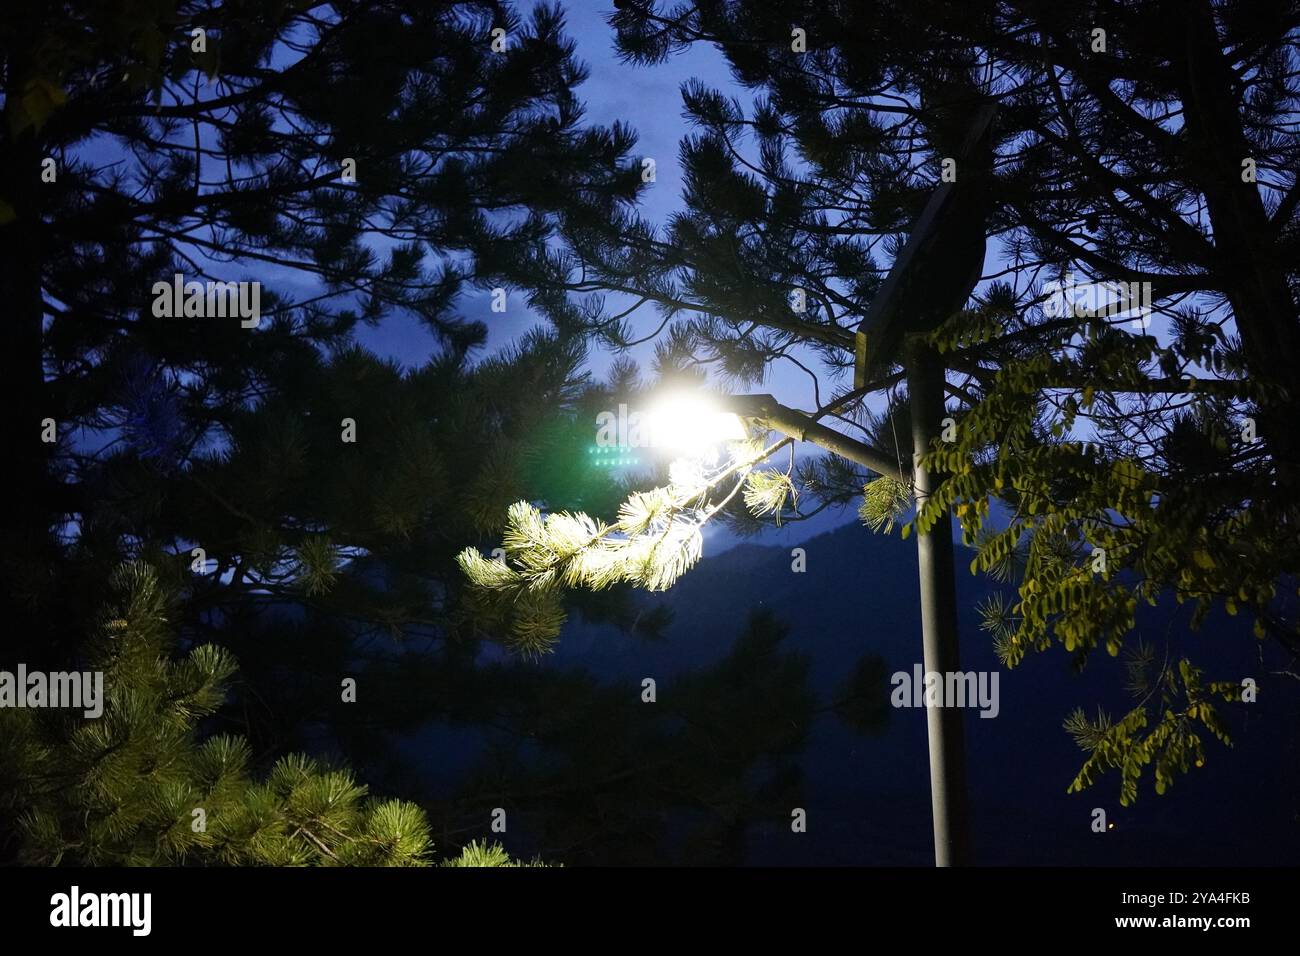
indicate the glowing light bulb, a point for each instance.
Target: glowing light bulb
{"x":691,"y":424}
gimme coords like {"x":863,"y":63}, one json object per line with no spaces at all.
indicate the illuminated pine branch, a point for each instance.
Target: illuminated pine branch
{"x":884,"y":501}
{"x":654,"y":541}
{"x":766,"y":493}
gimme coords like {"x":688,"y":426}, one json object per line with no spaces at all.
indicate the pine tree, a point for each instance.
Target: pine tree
{"x":1141,"y":457}
{"x":143,"y":785}
{"x":258,"y":143}
{"x":273,"y":144}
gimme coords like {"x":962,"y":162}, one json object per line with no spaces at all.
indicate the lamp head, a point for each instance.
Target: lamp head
{"x":691,"y":423}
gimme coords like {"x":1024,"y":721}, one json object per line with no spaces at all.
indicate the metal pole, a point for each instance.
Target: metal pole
{"x":938,"y":582}
{"x":799,"y":425}
{"x":948,"y":799}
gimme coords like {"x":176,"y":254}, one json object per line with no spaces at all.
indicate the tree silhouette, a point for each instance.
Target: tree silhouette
{"x":245,"y":142}
{"x":1139,"y":454}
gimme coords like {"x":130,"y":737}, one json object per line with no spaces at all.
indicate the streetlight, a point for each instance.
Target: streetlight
{"x":691,"y":423}
{"x":944,"y":729}
{"x":696,"y":425}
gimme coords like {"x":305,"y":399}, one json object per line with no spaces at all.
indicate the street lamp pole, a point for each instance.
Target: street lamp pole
{"x":940,"y":647}
{"x":944,"y":729}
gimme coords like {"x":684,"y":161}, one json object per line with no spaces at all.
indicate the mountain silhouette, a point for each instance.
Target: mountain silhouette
{"x":867,"y":796}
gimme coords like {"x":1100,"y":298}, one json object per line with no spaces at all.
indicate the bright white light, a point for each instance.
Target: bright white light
{"x":688,"y":473}
{"x":691,"y":424}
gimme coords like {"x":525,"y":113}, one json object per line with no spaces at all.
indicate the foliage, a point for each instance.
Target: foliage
{"x":214,"y":452}
{"x":1103,"y":457}
{"x":884,"y":501}
{"x":1171,"y":741}
{"x":143,"y":785}
{"x":655,"y":539}
{"x":484,"y":854}
{"x":228,"y":164}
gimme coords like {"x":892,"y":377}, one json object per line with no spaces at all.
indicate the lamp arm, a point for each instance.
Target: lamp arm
{"x":800,"y":426}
